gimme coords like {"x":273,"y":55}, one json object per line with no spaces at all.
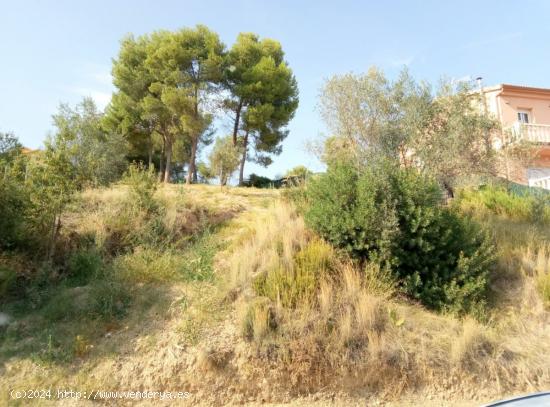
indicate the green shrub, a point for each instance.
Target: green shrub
{"x":530,"y":205}
{"x":7,"y":280}
{"x":103,"y":298}
{"x":147,"y":265}
{"x":257,"y":181}
{"x":199,"y":264}
{"x":393,"y":217}
{"x":110,"y":299}
{"x":84,"y":265}
{"x":143,"y":184}
{"x":543,"y":285}
{"x":297,"y":284}
{"x":12,"y":210}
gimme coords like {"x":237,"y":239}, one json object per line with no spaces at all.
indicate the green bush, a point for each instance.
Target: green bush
{"x":257,"y":181}
{"x":12,"y":210}
{"x":528,"y":205}
{"x":84,"y":265}
{"x":297,"y":284}
{"x":7,"y":280}
{"x":143,"y":184}
{"x":394,"y":217}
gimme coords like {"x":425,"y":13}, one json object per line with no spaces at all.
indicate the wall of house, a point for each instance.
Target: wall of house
{"x":504,"y":106}
{"x":539,"y":109}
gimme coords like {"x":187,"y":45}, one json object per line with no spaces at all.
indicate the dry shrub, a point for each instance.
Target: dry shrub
{"x":259,"y":319}
{"x":536,"y":263}
{"x":371,"y":315}
{"x":212,"y":360}
{"x":354,"y":333}
{"x":325,"y":297}
{"x":148,"y":265}
{"x":273,"y":239}
{"x":472,"y":347}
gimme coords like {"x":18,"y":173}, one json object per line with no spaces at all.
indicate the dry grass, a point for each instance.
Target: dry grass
{"x":357,"y":334}
{"x":342,"y":328}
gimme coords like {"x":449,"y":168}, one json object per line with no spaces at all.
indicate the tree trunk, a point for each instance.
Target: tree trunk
{"x":161,"y":164}
{"x":223,"y":180}
{"x":243,"y":159}
{"x":56,"y":225}
{"x":150,"y":154}
{"x":191,"y":174}
{"x":237,"y":119}
{"x":168,"y":167}
{"x":192,"y":167}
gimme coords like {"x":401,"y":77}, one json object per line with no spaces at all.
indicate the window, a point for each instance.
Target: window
{"x":523,"y":116}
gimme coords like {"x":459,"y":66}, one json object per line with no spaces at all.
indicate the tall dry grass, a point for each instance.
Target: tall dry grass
{"x":356,"y":332}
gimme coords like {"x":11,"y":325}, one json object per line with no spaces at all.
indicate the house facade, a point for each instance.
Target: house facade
{"x":524,"y":114}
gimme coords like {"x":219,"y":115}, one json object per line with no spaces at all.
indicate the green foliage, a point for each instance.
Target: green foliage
{"x":257,"y":181}
{"x":528,"y":206}
{"x":50,"y":185}
{"x":164,"y":81}
{"x":297,"y":284}
{"x":98,"y":158}
{"x":13,"y":203}
{"x":224,"y":159}
{"x":393,"y":217}
{"x":142,"y":182}
{"x":205,"y":172}
{"x":7,"y":279}
{"x":263,"y":95}
{"x":443,"y":133}
{"x":199,"y":258}
{"x":10,"y":147}
{"x":83,"y":266}
{"x":299,"y":171}
{"x":158,"y":264}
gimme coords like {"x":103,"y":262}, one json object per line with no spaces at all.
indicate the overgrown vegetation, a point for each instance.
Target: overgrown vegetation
{"x":394,"y":217}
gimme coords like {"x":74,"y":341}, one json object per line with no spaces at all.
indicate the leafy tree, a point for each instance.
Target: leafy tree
{"x":224,"y":159}
{"x":263,"y":96}
{"x":444,"y":133}
{"x":10,"y":147}
{"x":168,"y":79}
{"x":13,"y":204}
{"x":299,"y":171}
{"x":258,"y":181}
{"x":135,"y":112}
{"x":51,"y":183}
{"x":98,"y":159}
{"x":205,"y":172}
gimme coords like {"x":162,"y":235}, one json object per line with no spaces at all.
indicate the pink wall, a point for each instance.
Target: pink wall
{"x":504,"y":101}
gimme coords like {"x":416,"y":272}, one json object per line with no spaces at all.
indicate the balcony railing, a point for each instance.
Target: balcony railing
{"x":535,"y":133}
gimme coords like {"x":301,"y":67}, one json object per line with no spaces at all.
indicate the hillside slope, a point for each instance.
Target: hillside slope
{"x":196,"y":321}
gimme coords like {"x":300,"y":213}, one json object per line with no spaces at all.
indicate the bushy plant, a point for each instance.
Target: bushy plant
{"x":393,"y":216}
{"x":143,"y":183}
{"x":257,"y":181}
{"x":12,"y":210}
{"x":7,"y":279}
{"x":530,"y":205}
{"x":84,"y":265}
{"x":297,"y":283}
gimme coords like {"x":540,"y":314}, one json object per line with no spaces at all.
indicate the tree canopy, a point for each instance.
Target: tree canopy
{"x":443,"y":133}
{"x":224,"y":159}
{"x":263,"y":96}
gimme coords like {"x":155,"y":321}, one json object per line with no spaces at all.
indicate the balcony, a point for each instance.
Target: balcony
{"x":535,"y":133}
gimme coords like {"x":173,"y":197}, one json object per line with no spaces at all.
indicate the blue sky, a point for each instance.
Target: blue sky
{"x":59,"y":51}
